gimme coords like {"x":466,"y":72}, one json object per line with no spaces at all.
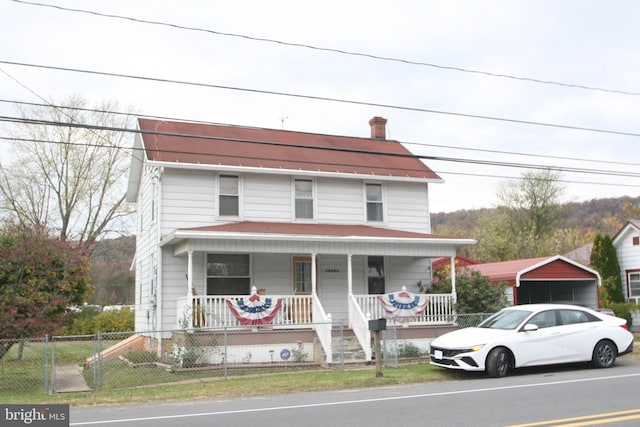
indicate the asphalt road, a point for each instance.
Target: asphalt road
{"x":560,"y":396}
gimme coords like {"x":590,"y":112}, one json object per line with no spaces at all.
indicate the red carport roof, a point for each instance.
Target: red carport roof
{"x":246,"y":147}
{"x":543,"y":268}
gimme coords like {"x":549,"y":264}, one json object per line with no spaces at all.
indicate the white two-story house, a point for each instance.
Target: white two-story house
{"x":325,"y":223}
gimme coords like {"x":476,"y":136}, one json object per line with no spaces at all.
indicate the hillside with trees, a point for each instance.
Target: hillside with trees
{"x":574,"y":225}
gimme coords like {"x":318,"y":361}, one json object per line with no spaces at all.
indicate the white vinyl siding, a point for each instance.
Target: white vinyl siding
{"x":188,"y":199}
{"x":407,"y":207}
{"x":339,"y":201}
{"x":267,"y":198}
{"x":628,"y":255}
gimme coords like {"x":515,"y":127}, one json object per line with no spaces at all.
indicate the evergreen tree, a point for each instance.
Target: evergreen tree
{"x":605,"y":260}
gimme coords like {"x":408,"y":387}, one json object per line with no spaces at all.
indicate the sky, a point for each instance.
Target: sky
{"x":461,"y":83}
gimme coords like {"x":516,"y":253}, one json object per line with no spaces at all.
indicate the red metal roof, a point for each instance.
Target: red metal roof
{"x":340,"y":230}
{"x":236,"y":146}
{"x":546,"y":268}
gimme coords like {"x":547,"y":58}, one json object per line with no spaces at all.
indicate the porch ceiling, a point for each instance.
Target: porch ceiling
{"x":268,"y":237}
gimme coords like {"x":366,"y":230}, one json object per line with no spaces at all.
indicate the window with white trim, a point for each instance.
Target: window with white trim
{"x":228,"y":274}
{"x":229,"y":195}
{"x":303,"y":195}
{"x":374,"y":202}
{"x":634,"y":284}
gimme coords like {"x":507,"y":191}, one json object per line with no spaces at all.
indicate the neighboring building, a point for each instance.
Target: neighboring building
{"x":548,"y":279}
{"x":627,"y":244}
{"x":324,"y":223}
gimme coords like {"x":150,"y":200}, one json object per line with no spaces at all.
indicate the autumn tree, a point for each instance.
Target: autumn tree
{"x":531,"y":205}
{"x":69,"y":170}
{"x":40,"y":277}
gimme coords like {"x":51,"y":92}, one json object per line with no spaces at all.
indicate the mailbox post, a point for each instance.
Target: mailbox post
{"x":376,"y":326}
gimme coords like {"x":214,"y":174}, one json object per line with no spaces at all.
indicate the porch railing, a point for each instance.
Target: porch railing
{"x":439,"y":308}
{"x":212,"y":311}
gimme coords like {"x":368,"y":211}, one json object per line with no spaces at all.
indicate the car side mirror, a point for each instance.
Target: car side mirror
{"x":530,"y":327}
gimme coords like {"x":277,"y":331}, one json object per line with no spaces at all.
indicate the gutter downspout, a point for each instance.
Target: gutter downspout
{"x":159,"y":263}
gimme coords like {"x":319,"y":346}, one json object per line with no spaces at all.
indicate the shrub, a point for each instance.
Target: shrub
{"x":624,"y":310}
{"x":409,"y":350}
{"x":88,"y":322}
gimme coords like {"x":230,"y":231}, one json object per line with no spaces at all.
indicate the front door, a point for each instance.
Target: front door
{"x":302,"y":275}
{"x":300,"y":309}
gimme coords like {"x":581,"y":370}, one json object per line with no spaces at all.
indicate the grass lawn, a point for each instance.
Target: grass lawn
{"x":21,"y":381}
{"x":184,"y":386}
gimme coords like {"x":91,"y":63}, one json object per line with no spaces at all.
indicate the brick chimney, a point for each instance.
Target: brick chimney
{"x":378,"y":130}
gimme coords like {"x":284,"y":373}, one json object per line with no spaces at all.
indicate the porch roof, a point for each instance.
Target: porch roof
{"x":307,"y":238}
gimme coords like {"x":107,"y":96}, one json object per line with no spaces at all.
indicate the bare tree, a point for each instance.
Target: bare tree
{"x":532,"y":202}
{"x":69,"y":170}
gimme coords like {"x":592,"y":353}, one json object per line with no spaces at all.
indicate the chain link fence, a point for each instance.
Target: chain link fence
{"x":110,"y":361}
{"x":409,"y":344}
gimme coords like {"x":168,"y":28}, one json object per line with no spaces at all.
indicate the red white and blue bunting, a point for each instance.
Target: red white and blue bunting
{"x":403,"y":306}
{"x":256,"y":310}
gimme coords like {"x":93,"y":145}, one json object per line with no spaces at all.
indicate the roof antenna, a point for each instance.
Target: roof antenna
{"x":282,"y":119}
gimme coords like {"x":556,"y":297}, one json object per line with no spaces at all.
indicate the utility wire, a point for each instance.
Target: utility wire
{"x":322,"y":98}
{"x":328,"y":49}
{"x":336,"y":149}
{"x":419,"y":144}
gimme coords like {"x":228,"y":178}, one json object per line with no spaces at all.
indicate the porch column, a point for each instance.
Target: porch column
{"x":189,"y":308}
{"x":349,"y":274}
{"x":314,"y":289}
{"x":453,"y":279}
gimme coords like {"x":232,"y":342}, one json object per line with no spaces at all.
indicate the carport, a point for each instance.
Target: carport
{"x":548,"y":279}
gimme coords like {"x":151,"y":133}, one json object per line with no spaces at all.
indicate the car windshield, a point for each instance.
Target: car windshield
{"x":507,"y":319}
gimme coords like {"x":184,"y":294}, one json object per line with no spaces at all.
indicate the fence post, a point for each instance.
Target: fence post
{"x":46,"y":364}
{"x":99,"y":383}
{"x":224,"y":354}
{"x":342,"y":345}
{"x":53,"y":364}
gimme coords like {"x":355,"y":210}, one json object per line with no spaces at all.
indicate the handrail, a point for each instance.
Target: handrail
{"x":323,"y":326}
{"x":360,"y":326}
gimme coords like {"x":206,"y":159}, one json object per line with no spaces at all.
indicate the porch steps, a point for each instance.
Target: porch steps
{"x":353,"y":353}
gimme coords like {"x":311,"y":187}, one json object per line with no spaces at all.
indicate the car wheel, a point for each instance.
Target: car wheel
{"x":604,"y":354}
{"x":498,"y":362}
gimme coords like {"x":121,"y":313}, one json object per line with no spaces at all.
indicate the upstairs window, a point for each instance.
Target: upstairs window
{"x":374,"y":202}
{"x":229,"y":195}
{"x":303,"y":189}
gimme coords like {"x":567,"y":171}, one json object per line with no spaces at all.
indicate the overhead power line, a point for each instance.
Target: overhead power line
{"x":332,"y":50}
{"x":420,"y":144}
{"x":591,"y":171}
{"x":321,"y":98}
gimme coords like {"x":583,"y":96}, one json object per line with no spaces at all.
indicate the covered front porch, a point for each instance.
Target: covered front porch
{"x":346,"y":270}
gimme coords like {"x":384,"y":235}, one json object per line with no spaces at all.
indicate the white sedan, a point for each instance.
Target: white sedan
{"x":531,"y":335}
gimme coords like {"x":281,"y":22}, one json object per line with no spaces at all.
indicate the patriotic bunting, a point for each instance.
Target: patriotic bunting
{"x":256,"y":310}
{"x":403,"y":306}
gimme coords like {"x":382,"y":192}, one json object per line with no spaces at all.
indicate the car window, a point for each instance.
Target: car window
{"x":544,"y":319}
{"x":570,"y":317}
{"x":507,"y":319}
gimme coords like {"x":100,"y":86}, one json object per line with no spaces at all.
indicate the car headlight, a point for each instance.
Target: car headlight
{"x":477,"y":347}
